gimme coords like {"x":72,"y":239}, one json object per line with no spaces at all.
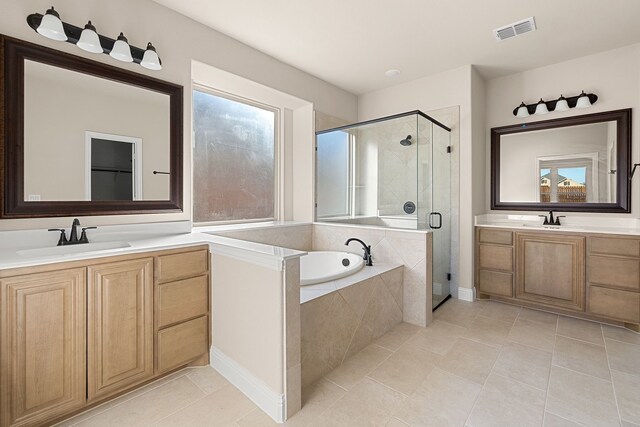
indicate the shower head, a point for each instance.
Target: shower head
{"x":406,"y":142}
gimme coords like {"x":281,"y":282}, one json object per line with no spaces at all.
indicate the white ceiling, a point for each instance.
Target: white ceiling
{"x":351,"y":43}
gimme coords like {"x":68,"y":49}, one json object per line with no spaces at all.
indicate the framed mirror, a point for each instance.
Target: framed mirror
{"x":80,"y":137}
{"x":572,"y":164}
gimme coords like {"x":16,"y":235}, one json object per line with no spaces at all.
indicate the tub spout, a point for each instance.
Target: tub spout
{"x":367,"y":250}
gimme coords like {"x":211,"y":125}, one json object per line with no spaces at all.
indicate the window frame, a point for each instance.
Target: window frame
{"x":278,"y":150}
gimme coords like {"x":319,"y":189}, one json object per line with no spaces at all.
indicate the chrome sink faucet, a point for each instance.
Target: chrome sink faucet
{"x":550,"y":220}
{"x":367,"y":250}
{"x":73,"y":237}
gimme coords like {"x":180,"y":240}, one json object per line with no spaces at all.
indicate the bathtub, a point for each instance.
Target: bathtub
{"x":324,"y":266}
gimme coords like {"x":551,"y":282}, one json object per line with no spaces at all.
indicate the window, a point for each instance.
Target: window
{"x":568,"y":179}
{"x":234,"y":159}
{"x":333,"y":174}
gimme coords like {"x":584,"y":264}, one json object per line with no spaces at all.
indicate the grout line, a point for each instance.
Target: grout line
{"x":613,"y":387}
{"x":578,"y":339}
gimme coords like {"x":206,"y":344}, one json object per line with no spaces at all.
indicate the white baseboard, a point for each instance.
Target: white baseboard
{"x":272,"y":403}
{"x":465,"y":294}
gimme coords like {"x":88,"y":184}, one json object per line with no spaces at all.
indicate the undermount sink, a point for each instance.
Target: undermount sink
{"x":71,"y":249}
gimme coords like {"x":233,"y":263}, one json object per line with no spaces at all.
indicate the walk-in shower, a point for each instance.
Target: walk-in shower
{"x":391,"y":172}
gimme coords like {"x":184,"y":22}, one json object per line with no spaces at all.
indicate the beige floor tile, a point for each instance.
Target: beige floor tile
{"x":506,"y":402}
{"x":543,"y":317}
{"x":533,"y":334}
{"x":207,"y":379}
{"x":221,"y":408}
{"x":438,"y":337}
{"x":581,"y":398}
{"x":470,"y":360}
{"x":394,"y":422}
{"x":257,"y":418}
{"x":581,"y":356}
{"x":457,"y":312}
{"x":628,"y":424}
{"x":393,"y":339}
{"x":406,"y":368}
{"x":580,"y":329}
{"x":442,"y":399}
{"x":551,"y":420}
{"x":149,"y":407}
{"x":503,"y":312}
{"x":627,"y":390}
{"x":525,"y":364}
{"x":621,"y":334}
{"x":358,"y":366}
{"x":488,"y":331}
{"x":367,"y":404}
{"x":624,"y":357}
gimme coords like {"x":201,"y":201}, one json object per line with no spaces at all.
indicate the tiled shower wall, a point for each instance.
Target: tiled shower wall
{"x":297,"y":237}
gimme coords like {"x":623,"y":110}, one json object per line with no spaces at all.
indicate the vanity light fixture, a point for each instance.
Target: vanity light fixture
{"x":151,"y":60}
{"x":51,"y":26}
{"x":121,"y":49}
{"x":584,"y":100}
{"x":88,"y":39}
{"x":541,"y":108}
{"x":522,"y":111}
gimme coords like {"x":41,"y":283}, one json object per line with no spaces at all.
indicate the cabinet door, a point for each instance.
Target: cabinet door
{"x":43,"y":347}
{"x":550,"y":270}
{"x":120,"y":331}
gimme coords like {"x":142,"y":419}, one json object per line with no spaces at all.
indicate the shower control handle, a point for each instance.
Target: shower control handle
{"x":435,"y":214}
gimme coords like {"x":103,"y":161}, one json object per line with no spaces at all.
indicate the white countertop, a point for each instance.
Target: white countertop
{"x":139,"y":238}
{"x":570,"y":224}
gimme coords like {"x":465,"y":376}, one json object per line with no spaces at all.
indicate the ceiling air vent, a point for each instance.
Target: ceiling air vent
{"x":515,"y":29}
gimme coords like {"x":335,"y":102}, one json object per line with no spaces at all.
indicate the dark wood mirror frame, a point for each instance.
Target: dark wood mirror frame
{"x":13,"y":53}
{"x":623,"y":190}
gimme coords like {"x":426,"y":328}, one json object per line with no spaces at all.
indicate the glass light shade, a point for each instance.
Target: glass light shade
{"x":522,"y":111}
{"x":151,"y":60}
{"x":89,"y":40}
{"x":583,"y":101}
{"x":121,"y":49}
{"x":562,"y":104}
{"x":541,"y":107}
{"x":51,"y":26}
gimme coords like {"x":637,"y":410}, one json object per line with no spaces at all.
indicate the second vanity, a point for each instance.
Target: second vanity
{"x":575,"y":270}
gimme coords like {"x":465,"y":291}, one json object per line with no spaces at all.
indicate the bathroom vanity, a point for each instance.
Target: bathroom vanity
{"x":593,"y":275}
{"x":75,"y":333}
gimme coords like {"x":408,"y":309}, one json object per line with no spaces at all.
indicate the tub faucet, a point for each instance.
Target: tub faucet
{"x":367,"y":250}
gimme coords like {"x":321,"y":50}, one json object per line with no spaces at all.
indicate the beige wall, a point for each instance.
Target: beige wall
{"x":60,"y":106}
{"x":612,"y":75}
{"x":178,"y":40}
{"x":457,"y":87}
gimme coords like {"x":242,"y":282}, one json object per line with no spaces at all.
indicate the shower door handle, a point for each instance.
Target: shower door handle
{"x":435,"y":214}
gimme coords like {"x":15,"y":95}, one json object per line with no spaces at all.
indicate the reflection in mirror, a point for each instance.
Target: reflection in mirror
{"x":574,"y":164}
{"x":102,"y":141}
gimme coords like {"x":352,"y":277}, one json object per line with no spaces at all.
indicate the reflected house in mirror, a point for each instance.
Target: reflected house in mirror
{"x":574,"y":164}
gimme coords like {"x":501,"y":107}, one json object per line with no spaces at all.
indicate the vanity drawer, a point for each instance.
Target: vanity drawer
{"x":177,"y":266}
{"x":614,"y":246}
{"x":180,"y":344}
{"x":617,"y":272}
{"x":614,"y":304}
{"x":495,"y":283}
{"x":496,"y":257}
{"x":498,"y":237}
{"x":182,"y":300}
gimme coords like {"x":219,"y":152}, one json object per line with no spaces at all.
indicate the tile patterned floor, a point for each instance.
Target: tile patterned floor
{"x":477,"y":364}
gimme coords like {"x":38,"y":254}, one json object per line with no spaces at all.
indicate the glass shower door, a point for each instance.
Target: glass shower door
{"x":439,"y":219}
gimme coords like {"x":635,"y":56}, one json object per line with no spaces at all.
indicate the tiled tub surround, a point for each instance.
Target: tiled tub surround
{"x":409,"y":248}
{"x":340,"y":318}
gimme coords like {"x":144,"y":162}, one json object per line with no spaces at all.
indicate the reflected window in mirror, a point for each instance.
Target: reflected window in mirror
{"x":575,"y":164}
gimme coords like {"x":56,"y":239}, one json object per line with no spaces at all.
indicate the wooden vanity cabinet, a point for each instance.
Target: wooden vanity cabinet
{"x":42,"y":357}
{"x":551,"y":269}
{"x":75,"y":334}
{"x":120,"y":326}
{"x":595,"y":276}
